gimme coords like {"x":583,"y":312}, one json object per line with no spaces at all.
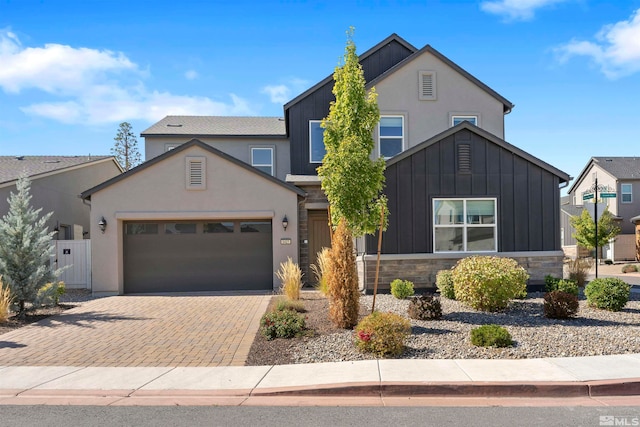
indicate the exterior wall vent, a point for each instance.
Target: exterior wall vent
{"x":464,"y":158}
{"x":427,"y":85}
{"x":196,"y":173}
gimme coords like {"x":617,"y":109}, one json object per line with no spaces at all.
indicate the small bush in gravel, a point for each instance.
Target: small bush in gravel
{"x":607,"y":293}
{"x":629,"y":268}
{"x":425,"y":307}
{"x":402,"y":289}
{"x":382,"y":334}
{"x":487,"y":283}
{"x":294,"y":305}
{"x":560,"y":305}
{"x":569,"y":286}
{"x":491,"y":336}
{"x":444,"y":283}
{"x":551,"y":283}
{"x":281,"y":324}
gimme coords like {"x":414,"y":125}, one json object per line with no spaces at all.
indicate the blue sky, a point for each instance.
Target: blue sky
{"x":71,"y":71}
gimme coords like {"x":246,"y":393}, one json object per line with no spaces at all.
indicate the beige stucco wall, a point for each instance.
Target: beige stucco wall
{"x":604,"y":179}
{"x":159,"y":192}
{"x":59,"y":193}
{"x":456,"y":95}
{"x":240,"y":148}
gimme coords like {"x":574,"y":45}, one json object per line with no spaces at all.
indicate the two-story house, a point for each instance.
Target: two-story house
{"x":619,"y":176}
{"x":221,"y":202}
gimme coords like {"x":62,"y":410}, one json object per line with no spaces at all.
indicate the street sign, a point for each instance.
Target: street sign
{"x":587,"y":196}
{"x":608,"y":195}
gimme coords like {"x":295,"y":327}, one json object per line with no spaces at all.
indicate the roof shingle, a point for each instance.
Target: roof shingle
{"x":620,"y":167}
{"x":218,"y":126}
{"x":12,"y":167}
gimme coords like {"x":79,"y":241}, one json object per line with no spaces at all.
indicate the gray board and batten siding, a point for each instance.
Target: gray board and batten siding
{"x":526,"y":189}
{"x":314,"y":103}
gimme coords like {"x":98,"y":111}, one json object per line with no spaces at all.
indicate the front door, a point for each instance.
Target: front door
{"x":319,"y":236}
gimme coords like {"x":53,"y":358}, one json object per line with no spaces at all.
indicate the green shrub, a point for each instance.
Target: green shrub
{"x":402,"y":289}
{"x":425,"y":307}
{"x":281,"y":324}
{"x":607,"y":293}
{"x":491,"y":336}
{"x":49,"y":294}
{"x":382,"y":334}
{"x":444,"y":283}
{"x":293,"y":305}
{"x":487,"y":283}
{"x":551,"y":283}
{"x":629,"y":268}
{"x":569,"y":286}
{"x":560,"y":305}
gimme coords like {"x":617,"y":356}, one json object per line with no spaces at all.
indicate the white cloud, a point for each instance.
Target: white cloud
{"x":95,"y":86}
{"x":616,"y":49}
{"x":516,"y":10}
{"x":281,"y":93}
{"x":191,"y":75}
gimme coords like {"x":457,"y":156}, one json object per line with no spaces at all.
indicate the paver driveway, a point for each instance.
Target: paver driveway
{"x":180,"y":330}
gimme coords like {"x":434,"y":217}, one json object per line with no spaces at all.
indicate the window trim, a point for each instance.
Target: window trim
{"x":311,"y":143}
{"x":271,"y":165}
{"x":189,"y":161}
{"x":622,"y":193}
{"x":464,"y":225}
{"x":476,"y":117}
{"x":402,"y":138}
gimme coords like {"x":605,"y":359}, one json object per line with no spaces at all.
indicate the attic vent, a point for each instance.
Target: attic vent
{"x":196,"y":173}
{"x":19,"y":157}
{"x":170,"y":125}
{"x":427,"y":85}
{"x":464,"y":158}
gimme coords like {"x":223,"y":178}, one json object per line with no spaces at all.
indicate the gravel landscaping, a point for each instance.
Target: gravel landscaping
{"x":592,"y":332}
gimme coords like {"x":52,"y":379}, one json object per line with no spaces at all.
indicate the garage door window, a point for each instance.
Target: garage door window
{"x":255,"y":227}
{"x":142,"y":229}
{"x":218,"y":227}
{"x":179,"y":228}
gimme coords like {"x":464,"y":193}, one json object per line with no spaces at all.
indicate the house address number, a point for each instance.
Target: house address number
{"x":285,"y":241}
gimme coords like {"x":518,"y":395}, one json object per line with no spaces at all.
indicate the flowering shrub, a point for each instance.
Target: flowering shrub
{"x":560,"y":304}
{"x":382,"y":334}
{"x":281,"y":324}
{"x":402,"y":289}
{"x":444,"y":283}
{"x":487,"y":283}
{"x":607,"y":293}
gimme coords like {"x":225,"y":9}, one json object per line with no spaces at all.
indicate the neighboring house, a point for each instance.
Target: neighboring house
{"x":442,"y":131}
{"x":619,"y":175}
{"x":56,"y":183}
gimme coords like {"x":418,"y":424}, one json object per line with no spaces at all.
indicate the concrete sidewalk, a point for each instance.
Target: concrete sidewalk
{"x":579,"y":381}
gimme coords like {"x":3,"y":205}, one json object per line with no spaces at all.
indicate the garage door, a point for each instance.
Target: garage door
{"x":197,"y":256}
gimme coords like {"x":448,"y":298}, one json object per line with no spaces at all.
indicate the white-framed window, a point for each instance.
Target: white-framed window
{"x":170,"y":146}
{"x":262,"y":158}
{"x":465,"y":225}
{"x":390,"y":135}
{"x":457,"y":119}
{"x":196,"y":173}
{"x":316,"y":142}
{"x":626,"y":193}
{"x":427,"y":86}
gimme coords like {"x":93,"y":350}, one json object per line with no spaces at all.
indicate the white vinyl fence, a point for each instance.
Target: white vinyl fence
{"x":76,"y":256}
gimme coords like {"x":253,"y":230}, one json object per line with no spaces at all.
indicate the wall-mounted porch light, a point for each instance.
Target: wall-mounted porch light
{"x":102,"y":224}
{"x":285,"y":222}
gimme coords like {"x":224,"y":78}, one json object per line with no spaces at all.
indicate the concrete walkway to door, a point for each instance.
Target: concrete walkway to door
{"x":154,"y":330}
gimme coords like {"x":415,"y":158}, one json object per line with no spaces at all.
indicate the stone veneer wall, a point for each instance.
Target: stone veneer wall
{"x":315,"y":196}
{"x":421,"y":269}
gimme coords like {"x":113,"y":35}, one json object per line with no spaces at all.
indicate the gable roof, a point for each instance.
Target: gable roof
{"x":227,"y":126}
{"x":564,"y":177}
{"x":194,"y":142}
{"x":617,"y":167}
{"x":12,"y":167}
{"x":507,"y":106}
{"x":392,"y":38}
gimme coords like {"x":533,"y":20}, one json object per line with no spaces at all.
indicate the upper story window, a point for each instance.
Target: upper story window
{"x":456,"y":120}
{"x":427,"y":86}
{"x":262,"y":158}
{"x":390,"y":135}
{"x":626,"y":191}
{"x":464,"y":225}
{"x":316,"y":142}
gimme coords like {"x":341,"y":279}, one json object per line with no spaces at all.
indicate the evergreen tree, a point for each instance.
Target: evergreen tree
{"x":25,"y":248}
{"x":125,"y":148}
